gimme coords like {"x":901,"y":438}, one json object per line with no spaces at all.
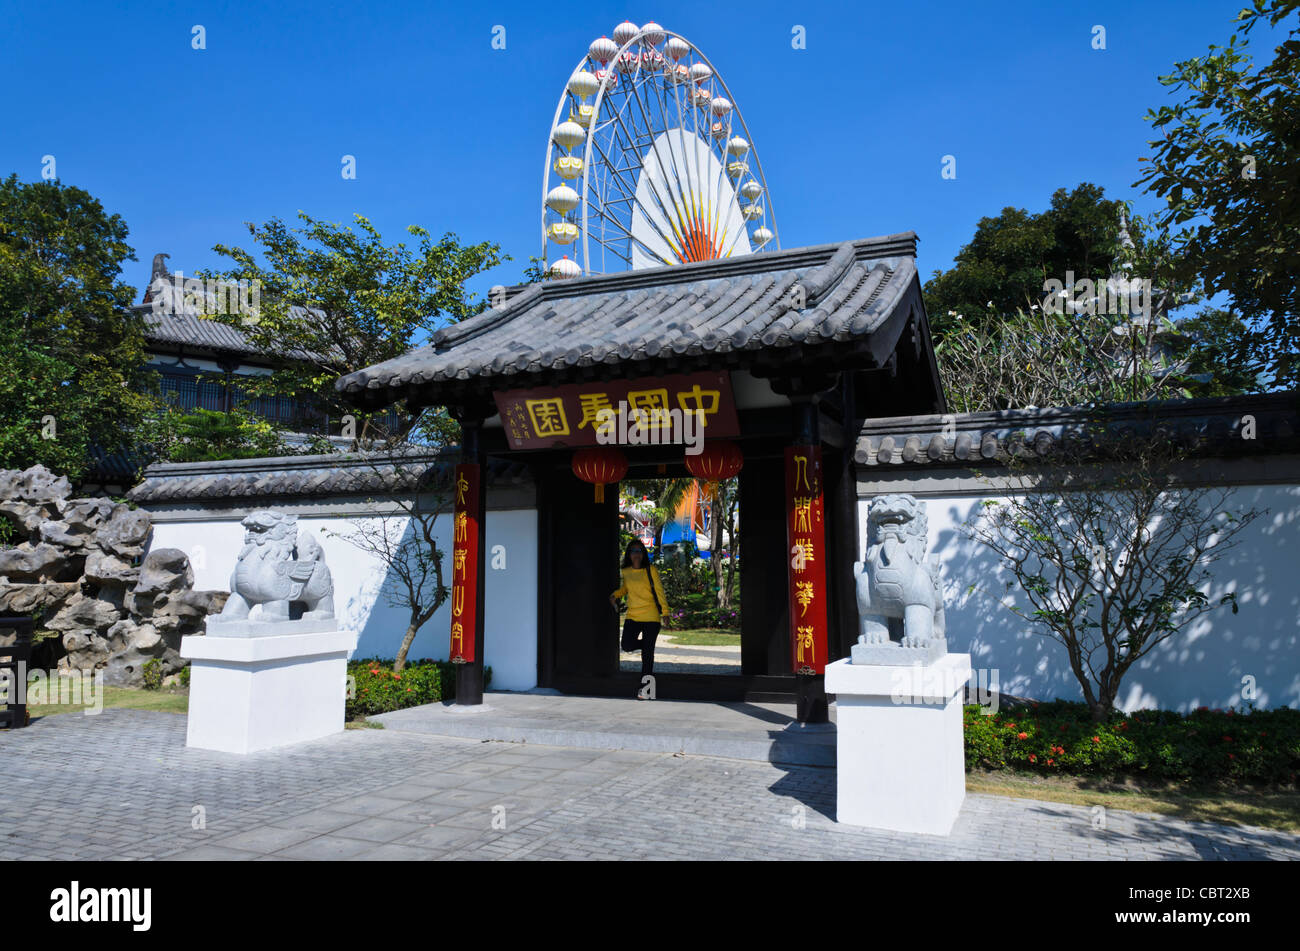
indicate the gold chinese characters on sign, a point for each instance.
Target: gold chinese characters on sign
{"x":620,"y":411}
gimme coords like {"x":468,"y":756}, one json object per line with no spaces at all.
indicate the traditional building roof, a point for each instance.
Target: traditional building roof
{"x":1245,"y":425}
{"x":194,"y":332}
{"x":826,"y":307}
{"x":308,"y":477}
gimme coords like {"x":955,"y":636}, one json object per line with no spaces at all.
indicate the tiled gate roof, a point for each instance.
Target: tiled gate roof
{"x":830,"y":305}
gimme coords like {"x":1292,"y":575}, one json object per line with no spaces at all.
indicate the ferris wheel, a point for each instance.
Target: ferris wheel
{"x":649,"y":162}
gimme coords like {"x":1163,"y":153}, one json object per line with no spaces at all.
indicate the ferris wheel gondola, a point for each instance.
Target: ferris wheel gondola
{"x":649,"y":162}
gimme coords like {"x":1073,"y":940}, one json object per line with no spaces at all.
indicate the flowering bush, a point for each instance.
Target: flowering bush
{"x":1255,"y":746}
{"x":693,"y":596}
{"x":379,"y":690}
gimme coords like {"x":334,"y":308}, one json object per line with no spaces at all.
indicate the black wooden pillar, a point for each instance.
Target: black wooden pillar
{"x":469,"y":678}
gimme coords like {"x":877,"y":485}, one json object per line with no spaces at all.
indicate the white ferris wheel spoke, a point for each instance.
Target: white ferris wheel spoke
{"x":655,"y":184}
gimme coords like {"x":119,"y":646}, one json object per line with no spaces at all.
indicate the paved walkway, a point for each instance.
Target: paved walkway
{"x":122,"y":785}
{"x":766,"y":732}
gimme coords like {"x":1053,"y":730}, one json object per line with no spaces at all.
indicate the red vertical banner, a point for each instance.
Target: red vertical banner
{"x":806,"y":556}
{"x":465,"y":564}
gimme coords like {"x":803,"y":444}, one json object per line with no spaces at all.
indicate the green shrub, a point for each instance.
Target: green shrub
{"x":152,"y":674}
{"x":378,"y":690}
{"x":1252,"y":746}
{"x":693,"y":596}
{"x":185,"y":676}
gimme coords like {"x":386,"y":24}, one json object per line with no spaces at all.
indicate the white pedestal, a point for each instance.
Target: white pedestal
{"x":899,"y":747}
{"x":254,"y":693}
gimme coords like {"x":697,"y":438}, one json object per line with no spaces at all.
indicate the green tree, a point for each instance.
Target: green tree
{"x":1107,"y":552}
{"x":71,"y":347}
{"x":1004,"y":266}
{"x":202,"y":435}
{"x":333,"y":300}
{"x":1226,"y":166}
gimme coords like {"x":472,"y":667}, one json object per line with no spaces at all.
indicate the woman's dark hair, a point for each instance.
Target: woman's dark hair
{"x":627,"y":555}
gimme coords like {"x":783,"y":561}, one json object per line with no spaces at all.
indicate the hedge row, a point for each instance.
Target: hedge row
{"x":1251,"y":746}
{"x":378,"y":690}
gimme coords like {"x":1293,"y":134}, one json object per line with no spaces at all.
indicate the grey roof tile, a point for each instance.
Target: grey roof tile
{"x":1211,"y":425}
{"x":681,"y":315}
{"x":304,"y":476}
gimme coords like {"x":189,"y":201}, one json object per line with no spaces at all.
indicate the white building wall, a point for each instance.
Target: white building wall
{"x":1204,"y":665}
{"x":361,"y":587}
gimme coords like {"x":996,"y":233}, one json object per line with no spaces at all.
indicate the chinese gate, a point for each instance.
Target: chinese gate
{"x":784,"y":353}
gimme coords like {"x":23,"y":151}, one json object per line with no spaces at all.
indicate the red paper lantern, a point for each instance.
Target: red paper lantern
{"x":720,"y":459}
{"x":599,"y":466}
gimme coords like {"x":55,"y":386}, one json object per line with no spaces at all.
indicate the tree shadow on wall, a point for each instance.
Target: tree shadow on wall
{"x":1209,"y":663}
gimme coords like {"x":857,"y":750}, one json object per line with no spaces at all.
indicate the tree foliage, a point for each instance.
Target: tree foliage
{"x":1035,"y":358}
{"x":334,"y":300}
{"x":71,"y":347}
{"x":1003,"y":268}
{"x":203,"y":435}
{"x":1226,"y":164}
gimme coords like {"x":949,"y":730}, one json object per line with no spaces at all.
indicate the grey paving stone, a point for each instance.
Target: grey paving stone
{"x":318,"y":820}
{"x":327,"y":847}
{"x":371,"y":805}
{"x":127,"y":785}
{"x":423,"y":812}
{"x":210,"y":853}
{"x":376,"y":829}
{"x":434,"y":837}
{"x":265,"y":839}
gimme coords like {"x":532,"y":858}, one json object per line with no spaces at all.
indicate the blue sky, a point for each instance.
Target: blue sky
{"x":451,"y":134}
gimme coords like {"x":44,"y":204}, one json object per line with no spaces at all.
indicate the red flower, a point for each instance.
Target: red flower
{"x":1051,"y":762}
{"x":1124,"y":725}
{"x":1062,"y":729}
{"x":1096,"y":739}
{"x":1033,"y":758}
{"x":1232,"y":756}
{"x":397,"y":676}
{"x":1022,"y":736}
{"x":1227,"y":739}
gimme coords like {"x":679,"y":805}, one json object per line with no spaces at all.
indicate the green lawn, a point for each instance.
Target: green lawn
{"x":176,"y":700}
{"x":702,"y":638}
{"x":1269,"y":808}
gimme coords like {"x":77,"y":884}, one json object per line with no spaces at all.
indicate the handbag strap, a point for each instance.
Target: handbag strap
{"x":650,"y":580}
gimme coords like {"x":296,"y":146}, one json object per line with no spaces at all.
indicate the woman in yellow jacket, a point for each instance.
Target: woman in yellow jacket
{"x":646,"y":604}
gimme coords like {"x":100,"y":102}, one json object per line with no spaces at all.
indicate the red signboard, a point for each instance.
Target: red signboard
{"x":465,"y":564}
{"x":806,"y":537}
{"x":654,"y":410}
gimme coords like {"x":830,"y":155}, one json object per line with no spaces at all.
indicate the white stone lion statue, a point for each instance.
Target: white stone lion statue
{"x":895,"y":581}
{"x":277,"y":567}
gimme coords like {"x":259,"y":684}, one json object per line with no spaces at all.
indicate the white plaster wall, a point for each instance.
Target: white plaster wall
{"x":361,"y":599}
{"x":1204,"y":665}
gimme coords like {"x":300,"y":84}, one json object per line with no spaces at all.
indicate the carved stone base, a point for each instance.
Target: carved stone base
{"x":241,"y":627}
{"x":255,"y":693}
{"x":900,"y":763}
{"x":894,"y":654}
